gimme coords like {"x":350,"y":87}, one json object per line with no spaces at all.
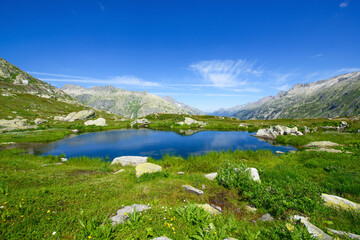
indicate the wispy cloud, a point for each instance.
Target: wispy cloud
{"x":201,"y":94}
{"x":318,"y":55}
{"x":226,"y":73}
{"x":102,"y":7}
{"x":284,"y":87}
{"x":344,"y":4}
{"x":125,"y":80}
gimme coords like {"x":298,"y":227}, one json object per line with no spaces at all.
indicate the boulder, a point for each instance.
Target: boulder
{"x":189,"y":121}
{"x":323,"y":150}
{"x":122,"y":214}
{"x":98,"y":122}
{"x":192,"y":189}
{"x":344,"y":234}
{"x":211,"y":176}
{"x":82,"y":115}
{"x":266,"y":218}
{"x":254,"y":174}
{"x":312,"y":229}
{"x":209,"y":209}
{"x":273,"y":131}
{"x":59,"y":118}
{"x":147,"y":168}
{"x":39,"y":121}
{"x":322,"y":144}
{"x":129,"y":160}
{"x":338,"y":202}
{"x":250,"y":209}
{"x":141,"y":122}
{"x":343,"y":124}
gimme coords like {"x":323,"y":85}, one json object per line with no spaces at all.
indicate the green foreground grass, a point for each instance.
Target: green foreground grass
{"x":74,"y":200}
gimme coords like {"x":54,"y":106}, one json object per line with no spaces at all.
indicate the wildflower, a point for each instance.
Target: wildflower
{"x":48,"y":211}
{"x":173,"y":228}
{"x":1,"y":206}
{"x":215,"y":232}
{"x":89,"y":237}
{"x":22,"y":216}
{"x":150,"y":219}
{"x":5,"y":203}
{"x":125,"y":213}
{"x":53,"y":233}
{"x":289,"y":227}
{"x":6,"y":194}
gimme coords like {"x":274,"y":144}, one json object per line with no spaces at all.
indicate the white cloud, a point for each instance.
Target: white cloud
{"x":347,"y":70}
{"x":344,"y":4}
{"x":226,"y":73}
{"x":318,"y":55}
{"x":125,"y":80}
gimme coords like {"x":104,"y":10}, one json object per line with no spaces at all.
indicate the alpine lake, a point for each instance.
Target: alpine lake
{"x":152,"y":143}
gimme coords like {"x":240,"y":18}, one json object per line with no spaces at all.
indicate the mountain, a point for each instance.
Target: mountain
{"x":131,"y":104}
{"x":15,"y":81}
{"x":337,"y":96}
{"x":194,"y":111}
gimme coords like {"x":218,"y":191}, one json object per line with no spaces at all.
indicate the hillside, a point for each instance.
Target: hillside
{"x":126,"y":103}
{"x":337,"y":96}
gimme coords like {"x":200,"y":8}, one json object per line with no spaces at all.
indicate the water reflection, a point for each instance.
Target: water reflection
{"x":154,"y":143}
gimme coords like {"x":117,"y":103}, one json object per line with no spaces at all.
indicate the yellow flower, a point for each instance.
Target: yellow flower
{"x":89,"y":237}
{"x":5,"y":202}
{"x":215,"y":232}
{"x":124,"y":214}
{"x":290,"y":227}
{"x":173,"y":228}
{"x":150,"y":219}
{"x":22,"y":216}
{"x":48,"y":218}
{"x":48,"y":211}
{"x":6,"y":194}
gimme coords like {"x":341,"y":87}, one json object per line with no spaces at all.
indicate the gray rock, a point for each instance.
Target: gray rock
{"x":211,"y":176}
{"x":254,"y":174}
{"x":63,"y":159}
{"x":273,"y":131}
{"x":59,"y":118}
{"x":180,"y":173}
{"x":324,"y":150}
{"x":142,"y":122}
{"x":98,"y":122}
{"x":82,"y":115}
{"x":338,"y":202}
{"x":230,"y":238}
{"x":266,"y":218}
{"x":189,"y":121}
{"x":312,"y":229}
{"x":161,"y":238}
{"x":322,"y":144}
{"x":17,"y":123}
{"x":343,"y":124}
{"x":147,"y":168}
{"x":129,"y":160}
{"x":192,"y":189}
{"x":39,"y":121}
{"x":279,"y":152}
{"x":344,"y":234}
{"x":208,"y":208}
{"x":250,"y":209}
{"x":122,"y":214}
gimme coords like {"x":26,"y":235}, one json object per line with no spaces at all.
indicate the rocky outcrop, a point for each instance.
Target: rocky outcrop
{"x":147,"y":168}
{"x":312,"y":229}
{"x":344,"y":234}
{"x":274,"y":131}
{"x":142,"y":122}
{"x":338,"y":202}
{"x":39,"y":121}
{"x":17,"y":123}
{"x":129,"y":160}
{"x":190,"y":121}
{"x":82,"y":115}
{"x":98,"y":122}
{"x":122,"y":214}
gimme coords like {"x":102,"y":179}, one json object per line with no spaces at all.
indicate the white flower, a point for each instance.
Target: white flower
{"x":53,"y":233}
{"x":1,"y":206}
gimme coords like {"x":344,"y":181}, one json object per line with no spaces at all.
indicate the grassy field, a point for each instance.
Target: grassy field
{"x":74,"y":200}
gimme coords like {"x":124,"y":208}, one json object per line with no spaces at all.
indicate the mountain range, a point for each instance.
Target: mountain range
{"x":130,"y":104}
{"x":337,"y":96}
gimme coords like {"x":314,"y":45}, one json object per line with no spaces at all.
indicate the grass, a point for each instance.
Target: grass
{"x":75,"y":199}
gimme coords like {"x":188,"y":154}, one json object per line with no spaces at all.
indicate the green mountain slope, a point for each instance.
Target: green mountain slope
{"x":337,"y":96}
{"x":126,"y":103}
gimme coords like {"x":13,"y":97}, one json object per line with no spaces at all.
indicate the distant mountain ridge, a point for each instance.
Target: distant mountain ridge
{"x":337,"y":96}
{"x":130,"y":104}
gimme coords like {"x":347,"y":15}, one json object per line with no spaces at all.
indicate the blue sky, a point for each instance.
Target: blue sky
{"x":205,"y":53}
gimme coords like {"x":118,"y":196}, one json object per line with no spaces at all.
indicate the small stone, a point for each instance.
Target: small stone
{"x":122,"y":214}
{"x":161,"y":238}
{"x":230,"y":238}
{"x":322,"y":144}
{"x":75,"y":130}
{"x":192,"y":189}
{"x":279,"y":152}
{"x":209,"y":209}
{"x":312,"y":229}
{"x":344,"y":234}
{"x":98,"y":122}
{"x":211,"y":176}
{"x":338,"y":202}
{"x":63,"y":159}
{"x":180,"y":173}
{"x":250,"y":209}
{"x":266,"y":218}
{"x":203,"y":187}
{"x":216,"y":207}
{"x":147,"y":168}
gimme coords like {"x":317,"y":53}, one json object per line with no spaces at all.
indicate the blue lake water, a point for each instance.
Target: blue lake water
{"x":155,"y":144}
